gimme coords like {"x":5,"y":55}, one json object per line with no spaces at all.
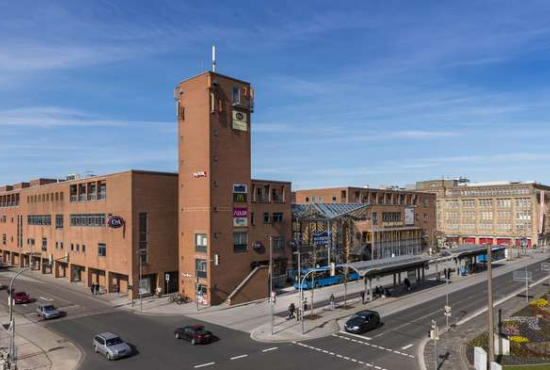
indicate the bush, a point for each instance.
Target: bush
{"x":518,"y":339}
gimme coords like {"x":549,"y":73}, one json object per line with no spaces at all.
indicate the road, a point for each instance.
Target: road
{"x":392,"y":346}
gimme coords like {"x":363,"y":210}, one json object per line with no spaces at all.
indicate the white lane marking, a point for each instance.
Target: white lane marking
{"x":416,"y":321}
{"x":407,"y":346}
{"x":374,"y":346}
{"x":238,"y":357}
{"x":340,"y":356}
{"x":269,"y":349}
{"x":355,"y":335}
{"x":204,"y":365}
{"x":46,"y":299}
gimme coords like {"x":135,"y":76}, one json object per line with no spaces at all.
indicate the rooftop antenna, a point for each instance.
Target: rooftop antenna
{"x":213,"y":58}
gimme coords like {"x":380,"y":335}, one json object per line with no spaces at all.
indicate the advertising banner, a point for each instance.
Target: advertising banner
{"x":240,"y":121}
{"x":409,"y":216}
{"x":240,"y":216}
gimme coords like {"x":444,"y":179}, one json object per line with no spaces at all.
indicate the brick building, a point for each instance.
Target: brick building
{"x":396,"y":222}
{"x":227,"y":221}
{"x":95,"y":228}
{"x":498,"y":213}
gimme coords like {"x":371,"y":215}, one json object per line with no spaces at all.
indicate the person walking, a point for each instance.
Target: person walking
{"x":332,"y":302}
{"x":291,"y":309}
{"x":304,"y":304}
{"x":362,"y":297}
{"x":92,"y":288}
{"x":96,"y":288}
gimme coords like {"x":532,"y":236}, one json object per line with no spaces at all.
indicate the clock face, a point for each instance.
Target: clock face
{"x":240,"y":116}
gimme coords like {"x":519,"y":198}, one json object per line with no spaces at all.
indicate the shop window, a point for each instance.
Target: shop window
{"x":200,"y":268}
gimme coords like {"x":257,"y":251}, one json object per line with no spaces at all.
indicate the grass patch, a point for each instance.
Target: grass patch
{"x":528,"y":367}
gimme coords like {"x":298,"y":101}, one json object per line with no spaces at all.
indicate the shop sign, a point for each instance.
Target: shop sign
{"x":240,"y":121}
{"x":321,"y":239}
{"x":240,"y":198}
{"x":240,"y":216}
{"x":199,"y":174}
{"x":240,"y":188}
{"x":409,"y":216}
{"x":392,"y":223}
{"x":115,"y":222}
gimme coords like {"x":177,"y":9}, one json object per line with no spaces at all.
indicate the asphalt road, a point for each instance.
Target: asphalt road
{"x":392,"y":346}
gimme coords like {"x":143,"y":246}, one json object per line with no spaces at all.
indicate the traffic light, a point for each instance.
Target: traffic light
{"x":216,"y":259}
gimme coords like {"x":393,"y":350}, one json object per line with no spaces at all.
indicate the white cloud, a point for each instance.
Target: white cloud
{"x":59,"y":116}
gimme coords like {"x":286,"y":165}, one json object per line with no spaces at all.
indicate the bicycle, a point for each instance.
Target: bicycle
{"x":179,"y":299}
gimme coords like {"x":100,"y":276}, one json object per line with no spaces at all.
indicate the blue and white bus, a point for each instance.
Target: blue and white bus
{"x":321,"y":277}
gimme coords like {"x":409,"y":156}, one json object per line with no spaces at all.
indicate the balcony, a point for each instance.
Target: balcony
{"x":262,"y":199}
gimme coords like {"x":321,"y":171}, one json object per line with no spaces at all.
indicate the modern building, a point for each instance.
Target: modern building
{"x":497,"y":213}
{"x":110,"y":229}
{"x":396,"y":222}
{"x":228,"y":222}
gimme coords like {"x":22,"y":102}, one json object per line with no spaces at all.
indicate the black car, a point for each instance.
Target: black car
{"x":196,"y":334}
{"x":362,"y":321}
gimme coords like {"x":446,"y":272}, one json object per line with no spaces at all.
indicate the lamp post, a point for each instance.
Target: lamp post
{"x":271,"y":302}
{"x":490,"y":305}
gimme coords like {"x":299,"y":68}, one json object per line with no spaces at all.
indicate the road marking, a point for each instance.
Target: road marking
{"x":407,"y":346}
{"x":374,"y":346}
{"x":416,"y":321}
{"x":269,"y":349}
{"x":238,"y":357}
{"x":46,"y":299}
{"x":355,"y":335}
{"x":204,"y":365}
{"x":340,"y":356}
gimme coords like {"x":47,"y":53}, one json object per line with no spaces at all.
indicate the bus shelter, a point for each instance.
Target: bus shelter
{"x":412,"y":266}
{"x":466,"y":256}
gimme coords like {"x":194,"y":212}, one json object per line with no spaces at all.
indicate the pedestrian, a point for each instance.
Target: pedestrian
{"x":92,"y":288}
{"x":298,"y":313}
{"x":291,"y":309}
{"x":362,"y":297}
{"x":96,"y":288}
{"x":407,"y":283}
{"x":332,"y":302}
{"x":304,"y":304}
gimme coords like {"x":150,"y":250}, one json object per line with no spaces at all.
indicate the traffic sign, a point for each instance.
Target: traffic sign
{"x":167,"y":277}
{"x":448,"y":311}
{"x":523,"y":276}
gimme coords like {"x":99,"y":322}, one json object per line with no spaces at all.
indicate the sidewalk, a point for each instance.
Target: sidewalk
{"x":38,"y":347}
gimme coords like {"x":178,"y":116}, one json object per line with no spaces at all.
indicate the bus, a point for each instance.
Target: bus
{"x":321,"y":277}
{"x":497,"y":253}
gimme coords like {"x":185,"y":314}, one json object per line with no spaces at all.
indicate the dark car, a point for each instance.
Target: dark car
{"x":362,"y":321}
{"x":21,"y":297}
{"x":196,"y":334}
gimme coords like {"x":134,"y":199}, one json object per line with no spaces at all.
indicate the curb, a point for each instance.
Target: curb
{"x":323,"y":335}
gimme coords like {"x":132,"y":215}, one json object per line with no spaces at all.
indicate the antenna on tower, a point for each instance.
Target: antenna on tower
{"x":213,"y":58}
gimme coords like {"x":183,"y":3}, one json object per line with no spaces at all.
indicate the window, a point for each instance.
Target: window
{"x":102,"y":249}
{"x":4,"y":239}
{"x":236,"y":95}
{"x":44,"y":244}
{"x":374,"y":218}
{"x":60,"y":245}
{"x":266,"y":218}
{"x":485,"y":203}
{"x":94,"y":219}
{"x":201,"y":243}
{"x":83,"y":248}
{"x":451,"y":204}
{"x":523,"y":202}
{"x":277,"y":217}
{"x":468,"y":203}
{"x":200,"y":268}
{"x":143,"y":236}
{"x":102,"y":190}
{"x":252,"y":219}
{"x":333,"y":199}
{"x":278,"y":243}
{"x":504,"y":203}
{"x":58,"y":221}
{"x":307,"y":199}
{"x":72,"y":247}
{"x":78,"y":247}
{"x":240,"y":242}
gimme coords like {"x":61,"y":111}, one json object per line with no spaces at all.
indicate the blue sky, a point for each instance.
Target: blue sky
{"x":347,"y":93}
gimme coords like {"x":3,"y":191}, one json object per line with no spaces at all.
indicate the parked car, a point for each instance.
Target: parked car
{"x":196,"y":334}
{"x":48,"y":311}
{"x":21,"y":297}
{"x":362,"y":321}
{"x":111,"y":346}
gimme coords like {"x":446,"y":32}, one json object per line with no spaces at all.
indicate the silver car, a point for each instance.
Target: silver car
{"x":111,"y":346}
{"x":48,"y":311}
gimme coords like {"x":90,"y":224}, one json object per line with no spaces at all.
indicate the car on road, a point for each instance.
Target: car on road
{"x":196,"y":334}
{"x":111,"y":346}
{"x":362,"y":321}
{"x":48,"y":311}
{"x":21,"y":297}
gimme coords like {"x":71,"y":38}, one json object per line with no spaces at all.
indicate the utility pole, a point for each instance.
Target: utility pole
{"x":490,"y":305}
{"x":139,"y":284}
{"x":271,"y":302}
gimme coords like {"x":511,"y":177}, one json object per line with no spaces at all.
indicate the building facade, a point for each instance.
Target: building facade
{"x":396,"y":222}
{"x":497,"y":213}
{"x":95,"y":229}
{"x":228,"y":223}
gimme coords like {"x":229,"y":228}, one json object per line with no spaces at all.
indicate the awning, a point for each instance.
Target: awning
{"x":386,"y":266}
{"x":329,"y":211}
